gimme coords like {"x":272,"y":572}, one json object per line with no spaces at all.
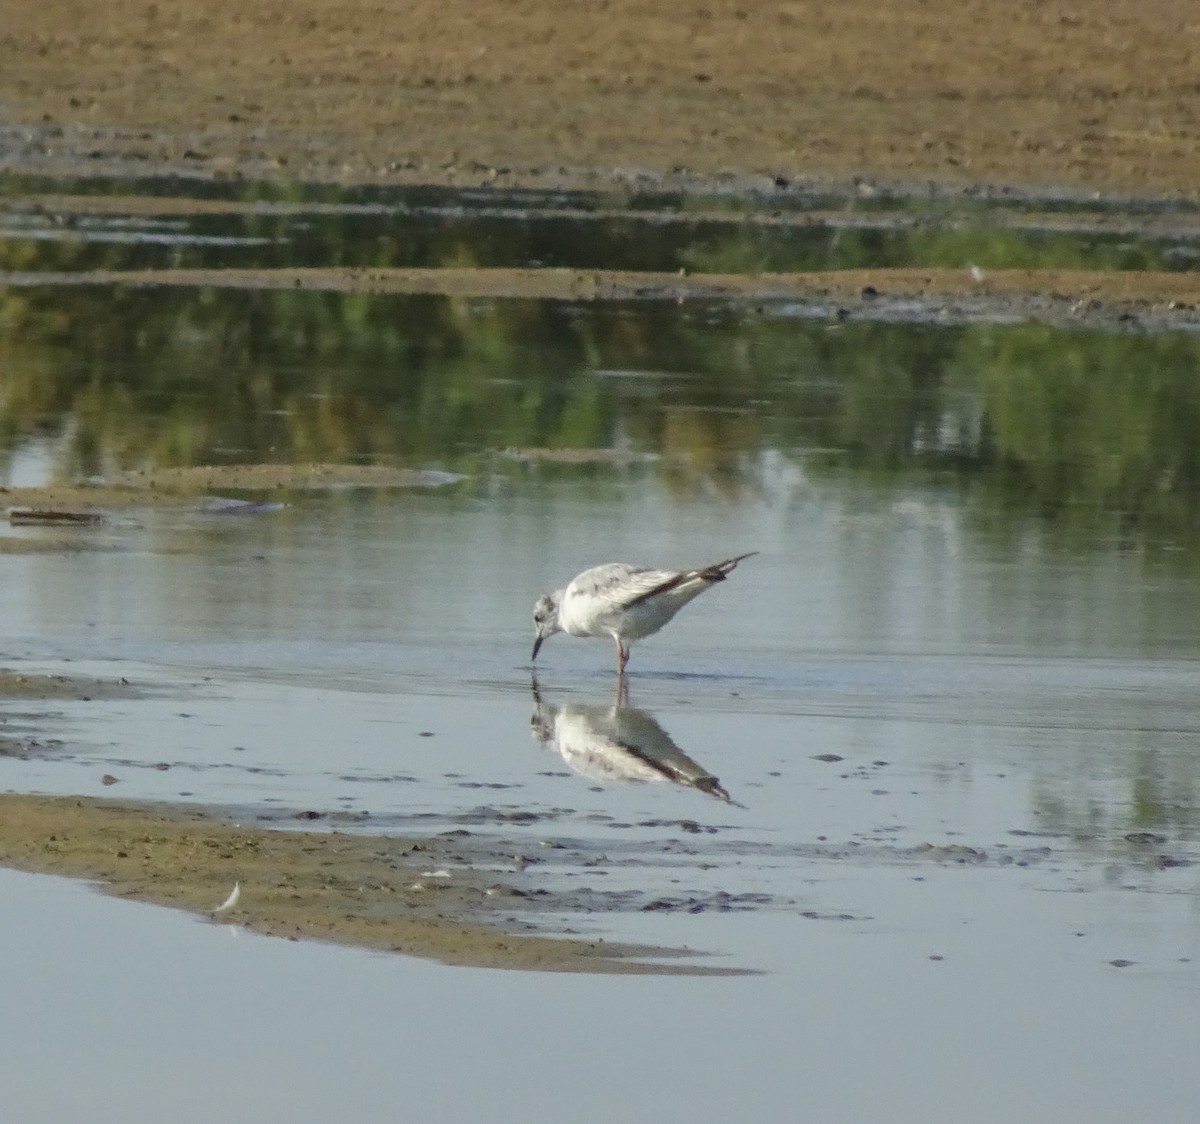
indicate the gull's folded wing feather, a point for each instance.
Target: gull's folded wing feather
{"x":624,"y":585}
{"x":619,"y":583}
{"x":668,"y":581}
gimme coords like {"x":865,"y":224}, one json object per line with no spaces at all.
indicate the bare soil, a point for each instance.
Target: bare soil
{"x":1092,"y":95}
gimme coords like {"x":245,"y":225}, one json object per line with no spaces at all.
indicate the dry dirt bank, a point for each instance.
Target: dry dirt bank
{"x":1088,"y":95}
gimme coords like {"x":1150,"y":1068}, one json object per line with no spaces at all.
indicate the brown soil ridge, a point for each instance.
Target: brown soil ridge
{"x":185,"y":486}
{"x":1054,"y":294}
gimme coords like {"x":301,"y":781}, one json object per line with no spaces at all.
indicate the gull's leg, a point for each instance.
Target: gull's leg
{"x":622,"y":657}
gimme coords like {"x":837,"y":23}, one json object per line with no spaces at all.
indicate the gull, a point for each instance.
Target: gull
{"x":622,"y":601}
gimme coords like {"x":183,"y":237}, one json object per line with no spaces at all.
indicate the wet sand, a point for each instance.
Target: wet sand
{"x":1155,"y":300}
{"x":420,"y":896}
{"x":424,"y":896}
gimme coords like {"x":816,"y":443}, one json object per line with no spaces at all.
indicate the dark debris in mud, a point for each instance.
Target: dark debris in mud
{"x":953,"y":852}
{"x":691,"y":827}
{"x":719,"y":902}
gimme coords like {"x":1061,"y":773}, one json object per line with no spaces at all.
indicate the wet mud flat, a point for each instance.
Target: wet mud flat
{"x":472,"y":895}
{"x":455,"y":896}
{"x":514,"y":885}
{"x":63,"y":513}
{"x":835,"y":252}
{"x":828,"y":255}
{"x":1057,"y":297}
{"x":415,"y":895}
{"x":24,"y":698}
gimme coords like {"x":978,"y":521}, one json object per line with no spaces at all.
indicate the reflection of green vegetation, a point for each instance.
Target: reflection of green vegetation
{"x":183,"y":377}
{"x":1161,"y":797}
{"x":1085,"y":427}
{"x":1095,"y":431}
{"x":764,"y":249}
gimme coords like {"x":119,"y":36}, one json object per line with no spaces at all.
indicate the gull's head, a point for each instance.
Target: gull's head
{"x":545,"y":619}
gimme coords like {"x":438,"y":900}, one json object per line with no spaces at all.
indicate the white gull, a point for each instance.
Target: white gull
{"x":622,"y":601}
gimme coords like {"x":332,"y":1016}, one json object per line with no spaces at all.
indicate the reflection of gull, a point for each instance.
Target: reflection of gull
{"x":618,"y":743}
{"x":622,"y":601}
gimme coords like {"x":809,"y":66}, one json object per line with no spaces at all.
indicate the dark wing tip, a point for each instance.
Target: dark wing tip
{"x":718,"y":570}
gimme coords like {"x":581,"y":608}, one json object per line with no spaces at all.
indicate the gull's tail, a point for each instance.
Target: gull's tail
{"x":718,"y":571}
{"x":692,"y":582}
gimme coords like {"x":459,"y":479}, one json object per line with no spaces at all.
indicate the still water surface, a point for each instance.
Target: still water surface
{"x":952,"y":701}
{"x":259,"y":225}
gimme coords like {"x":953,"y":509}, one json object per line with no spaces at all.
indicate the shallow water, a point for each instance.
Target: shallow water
{"x":1020,"y":1020}
{"x":952,"y":701}
{"x":795,"y":230}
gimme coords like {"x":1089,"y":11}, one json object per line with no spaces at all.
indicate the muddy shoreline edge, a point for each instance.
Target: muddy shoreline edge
{"x":364,"y":891}
{"x":1137,"y":300}
{"x":372,"y":892}
{"x":422,"y":895}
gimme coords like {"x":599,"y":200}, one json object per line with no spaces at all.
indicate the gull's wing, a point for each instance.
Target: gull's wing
{"x":668,"y":580}
{"x":621,"y":584}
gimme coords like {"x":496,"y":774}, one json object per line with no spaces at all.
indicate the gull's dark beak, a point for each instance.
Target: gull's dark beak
{"x":537,"y":643}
